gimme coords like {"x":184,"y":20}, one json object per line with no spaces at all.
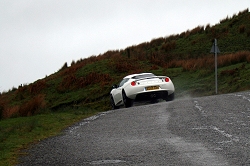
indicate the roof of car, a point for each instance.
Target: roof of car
{"x":132,"y":75}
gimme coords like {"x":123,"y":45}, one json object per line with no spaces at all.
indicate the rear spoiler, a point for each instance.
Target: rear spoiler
{"x":149,"y":78}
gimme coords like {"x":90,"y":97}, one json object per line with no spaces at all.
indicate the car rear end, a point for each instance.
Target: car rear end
{"x":149,"y":88}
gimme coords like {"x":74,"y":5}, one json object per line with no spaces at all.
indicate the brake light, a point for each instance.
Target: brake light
{"x":133,"y":83}
{"x":166,"y":79}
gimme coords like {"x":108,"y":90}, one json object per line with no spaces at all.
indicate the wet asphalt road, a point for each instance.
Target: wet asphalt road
{"x":212,"y":130}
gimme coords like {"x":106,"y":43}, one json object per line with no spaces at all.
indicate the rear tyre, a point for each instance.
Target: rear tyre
{"x":113,"y":103}
{"x":127,"y":101}
{"x":170,"y":97}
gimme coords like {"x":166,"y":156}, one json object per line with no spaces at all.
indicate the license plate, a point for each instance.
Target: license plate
{"x":152,"y":87}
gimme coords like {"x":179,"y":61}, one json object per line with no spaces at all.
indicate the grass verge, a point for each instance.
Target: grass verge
{"x":19,"y":133}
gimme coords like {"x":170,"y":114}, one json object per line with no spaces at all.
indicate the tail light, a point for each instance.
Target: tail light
{"x":167,"y":79}
{"x":133,"y":83}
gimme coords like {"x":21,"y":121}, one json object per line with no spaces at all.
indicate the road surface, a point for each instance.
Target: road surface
{"x":213,"y":130}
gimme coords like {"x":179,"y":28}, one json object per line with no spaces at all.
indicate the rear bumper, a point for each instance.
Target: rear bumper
{"x":152,"y":95}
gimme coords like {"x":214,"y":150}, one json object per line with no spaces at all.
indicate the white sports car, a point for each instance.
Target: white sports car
{"x":141,"y":87}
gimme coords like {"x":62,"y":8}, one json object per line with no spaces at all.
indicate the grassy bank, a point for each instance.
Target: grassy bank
{"x":18,"y":133}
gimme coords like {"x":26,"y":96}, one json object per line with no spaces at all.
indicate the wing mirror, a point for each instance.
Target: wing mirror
{"x":114,"y":86}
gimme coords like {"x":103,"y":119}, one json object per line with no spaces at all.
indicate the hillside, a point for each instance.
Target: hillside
{"x":184,"y":57}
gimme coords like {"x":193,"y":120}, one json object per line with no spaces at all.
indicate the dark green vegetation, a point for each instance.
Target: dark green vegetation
{"x":66,"y":95}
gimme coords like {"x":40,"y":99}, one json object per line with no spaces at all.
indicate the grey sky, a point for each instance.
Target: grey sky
{"x":38,"y":36}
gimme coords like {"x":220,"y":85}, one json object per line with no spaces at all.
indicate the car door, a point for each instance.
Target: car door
{"x":118,"y":91}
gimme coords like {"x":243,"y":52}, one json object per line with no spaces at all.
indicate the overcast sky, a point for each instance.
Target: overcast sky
{"x":38,"y":36}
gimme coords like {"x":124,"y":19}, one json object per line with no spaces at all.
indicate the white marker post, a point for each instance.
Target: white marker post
{"x":215,"y":50}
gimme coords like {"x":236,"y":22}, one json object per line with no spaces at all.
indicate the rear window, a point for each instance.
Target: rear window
{"x":143,"y":76}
